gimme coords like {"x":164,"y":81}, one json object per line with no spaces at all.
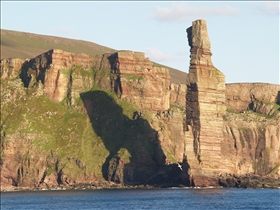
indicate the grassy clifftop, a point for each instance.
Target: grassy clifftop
{"x":15,"y":44}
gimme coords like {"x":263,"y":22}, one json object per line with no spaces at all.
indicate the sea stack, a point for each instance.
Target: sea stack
{"x":205,"y":107}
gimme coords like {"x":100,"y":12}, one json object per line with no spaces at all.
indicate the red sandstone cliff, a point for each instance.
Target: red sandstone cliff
{"x":218,"y":142}
{"x":132,"y":76}
{"x":64,"y":76}
{"x":141,"y":83}
{"x":190,"y":120}
{"x":205,"y":107}
{"x":240,"y":95}
{"x":10,"y":67}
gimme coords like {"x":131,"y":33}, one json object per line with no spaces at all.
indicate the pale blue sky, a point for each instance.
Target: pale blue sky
{"x":244,"y":35}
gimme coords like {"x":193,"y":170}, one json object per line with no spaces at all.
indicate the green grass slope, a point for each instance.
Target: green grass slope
{"x":15,"y":44}
{"x":84,"y":139}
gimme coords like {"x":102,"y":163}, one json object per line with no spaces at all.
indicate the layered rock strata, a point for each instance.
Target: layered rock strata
{"x":142,"y":141}
{"x":64,"y":76}
{"x":10,"y":67}
{"x":141,"y":81}
{"x":251,"y":144}
{"x":205,"y":107}
{"x":242,"y":141}
{"x":132,"y":76}
{"x":239,"y":96}
{"x":178,"y":93}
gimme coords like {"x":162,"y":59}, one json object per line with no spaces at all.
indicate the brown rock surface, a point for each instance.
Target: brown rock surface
{"x":251,"y":145}
{"x":170,"y":128}
{"x":22,"y":163}
{"x":26,"y":166}
{"x":219,"y":142}
{"x":205,"y":106}
{"x":178,"y":93}
{"x":248,"y":181}
{"x":53,"y":69}
{"x":63,"y":75}
{"x":142,"y":83}
{"x":132,"y":76}
{"x":185,"y":123}
{"x":240,"y":95}
{"x":10,"y":67}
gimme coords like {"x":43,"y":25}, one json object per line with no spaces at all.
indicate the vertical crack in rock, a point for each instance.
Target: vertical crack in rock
{"x":193,"y":115}
{"x":115,"y":74}
{"x":56,"y":83}
{"x":69,"y":90}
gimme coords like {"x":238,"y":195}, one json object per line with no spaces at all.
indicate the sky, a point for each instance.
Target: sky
{"x":244,"y":35}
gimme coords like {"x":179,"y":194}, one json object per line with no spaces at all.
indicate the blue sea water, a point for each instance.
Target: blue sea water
{"x":171,"y":198}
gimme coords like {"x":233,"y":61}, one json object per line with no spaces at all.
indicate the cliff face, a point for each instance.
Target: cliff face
{"x":112,"y":103}
{"x":10,"y":67}
{"x":54,"y":70}
{"x":205,"y":107}
{"x":251,"y":145}
{"x":141,"y":81}
{"x":242,"y":140}
{"x":73,"y":119}
{"x":240,"y":96}
{"x":129,"y":74}
{"x":251,"y":129}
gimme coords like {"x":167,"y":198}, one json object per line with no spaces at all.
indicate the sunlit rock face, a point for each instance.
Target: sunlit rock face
{"x":130,"y":74}
{"x":240,"y":95}
{"x":205,"y":107}
{"x":138,"y":81}
{"x":251,"y":145}
{"x":243,"y":140}
{"x":162,"y":125}
{"x":64,"y":76}
{"x":10,"y":67}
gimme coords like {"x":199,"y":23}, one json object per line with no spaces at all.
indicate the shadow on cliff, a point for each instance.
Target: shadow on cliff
{"x":193,"y":116}
{"x":35,"y":69}
{"x":278,"y":98}
{"x":136,"y":156}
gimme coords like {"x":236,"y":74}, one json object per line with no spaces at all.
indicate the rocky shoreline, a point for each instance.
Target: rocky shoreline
{"x":248,"y":181}
{"x":227,"y":180}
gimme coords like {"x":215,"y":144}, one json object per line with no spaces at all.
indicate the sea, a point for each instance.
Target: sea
{"x":167,"y":198}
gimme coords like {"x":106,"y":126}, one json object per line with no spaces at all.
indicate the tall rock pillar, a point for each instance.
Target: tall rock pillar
{"x":205,"y":107}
